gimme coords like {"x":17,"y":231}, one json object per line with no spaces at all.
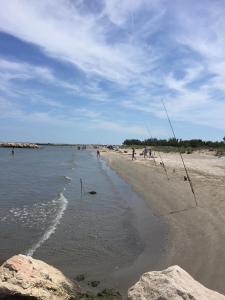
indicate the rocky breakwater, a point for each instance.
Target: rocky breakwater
{"x":22,"y":277}
{"x":172,"y":283}
{"x":19,"y":145}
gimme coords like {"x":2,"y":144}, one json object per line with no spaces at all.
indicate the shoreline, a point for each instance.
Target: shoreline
{"x":152,"y":233}
{"x":197,"y":235}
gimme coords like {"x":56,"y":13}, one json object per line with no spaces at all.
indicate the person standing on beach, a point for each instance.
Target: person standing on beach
{"x":145,"y":152}
{"x":98,"y":153}
{"x":150,"y":152}
{"x":133,"y":153}
{"x":13,"y":151}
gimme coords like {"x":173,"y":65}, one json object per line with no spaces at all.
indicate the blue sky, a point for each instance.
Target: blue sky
{"x":95,"y":71}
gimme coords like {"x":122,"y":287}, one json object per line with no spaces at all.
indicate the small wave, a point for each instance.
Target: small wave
{"x":62,"y":207}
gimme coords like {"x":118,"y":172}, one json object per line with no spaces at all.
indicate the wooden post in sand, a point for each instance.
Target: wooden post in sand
{"x":81,"y":187}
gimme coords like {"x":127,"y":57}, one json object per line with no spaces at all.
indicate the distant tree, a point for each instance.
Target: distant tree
{"x":132,"y":142}
{"x":194,"y":143}
{"x":172,"y":142}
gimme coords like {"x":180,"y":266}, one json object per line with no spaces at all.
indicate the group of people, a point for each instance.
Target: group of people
{"x":146,"y":152}
{"x":83,"y":147}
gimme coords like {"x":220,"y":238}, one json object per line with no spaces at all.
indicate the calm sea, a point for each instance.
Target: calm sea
{"x":110,"y":236}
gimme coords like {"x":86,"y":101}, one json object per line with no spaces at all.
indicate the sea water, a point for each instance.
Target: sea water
{"x":110,"y":236}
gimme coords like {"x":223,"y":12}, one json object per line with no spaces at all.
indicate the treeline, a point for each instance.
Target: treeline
{"x":194,"y":143}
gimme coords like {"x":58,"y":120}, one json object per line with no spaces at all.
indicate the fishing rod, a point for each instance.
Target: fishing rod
{"x":162,"y":162}
{"x":178,"y":147}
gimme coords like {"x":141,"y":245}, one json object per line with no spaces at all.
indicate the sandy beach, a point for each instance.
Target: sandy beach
{"x":197,"y":234}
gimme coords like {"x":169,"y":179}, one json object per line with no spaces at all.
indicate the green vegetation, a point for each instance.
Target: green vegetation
{"x":172,"y":145}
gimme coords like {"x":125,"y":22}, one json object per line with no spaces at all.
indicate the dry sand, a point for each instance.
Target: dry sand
{"x":197,"y":235}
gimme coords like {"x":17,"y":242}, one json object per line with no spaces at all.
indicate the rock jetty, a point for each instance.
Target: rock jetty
{"x":19,"y":145}
{"x":22,"y":277}
{"x":172,"y":283}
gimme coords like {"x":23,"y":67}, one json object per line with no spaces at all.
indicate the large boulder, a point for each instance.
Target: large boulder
{"x":22,"y":277}
{"x":170,"y":284}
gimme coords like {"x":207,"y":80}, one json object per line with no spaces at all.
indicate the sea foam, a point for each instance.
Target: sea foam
{"x":62,"y":201}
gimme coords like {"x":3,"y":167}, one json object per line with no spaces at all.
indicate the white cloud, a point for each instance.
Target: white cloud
{"x":62,"y":32}
{"x":122,"y":128}
{"x":122,"y":13}
{"x":12,"y":71}
{"x":18,"y":70}
{"x":203,"y":30}
{"x":127,"y":43}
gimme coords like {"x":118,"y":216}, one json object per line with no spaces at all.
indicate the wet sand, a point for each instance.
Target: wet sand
{"x":197,"y":235}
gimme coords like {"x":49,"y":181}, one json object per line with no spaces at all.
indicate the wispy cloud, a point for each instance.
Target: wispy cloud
{"x":62,"y":31}
{"x":12,"y":72}
{"x":16,"y":70}
{"x":129,"y":55}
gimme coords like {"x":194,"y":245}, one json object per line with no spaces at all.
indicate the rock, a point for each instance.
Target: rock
{"x":92,"y":192}
{"x":94,"y":283}
{"x":80,"y":277}
{"x":171,"y":284}
{"x":22,"y":277}
{"x":19,"y":145}
{"x":87,"y":295}
{"x":109,"y":294}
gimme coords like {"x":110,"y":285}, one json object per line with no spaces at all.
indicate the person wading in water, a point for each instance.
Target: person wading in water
{"x":98,"y":153}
